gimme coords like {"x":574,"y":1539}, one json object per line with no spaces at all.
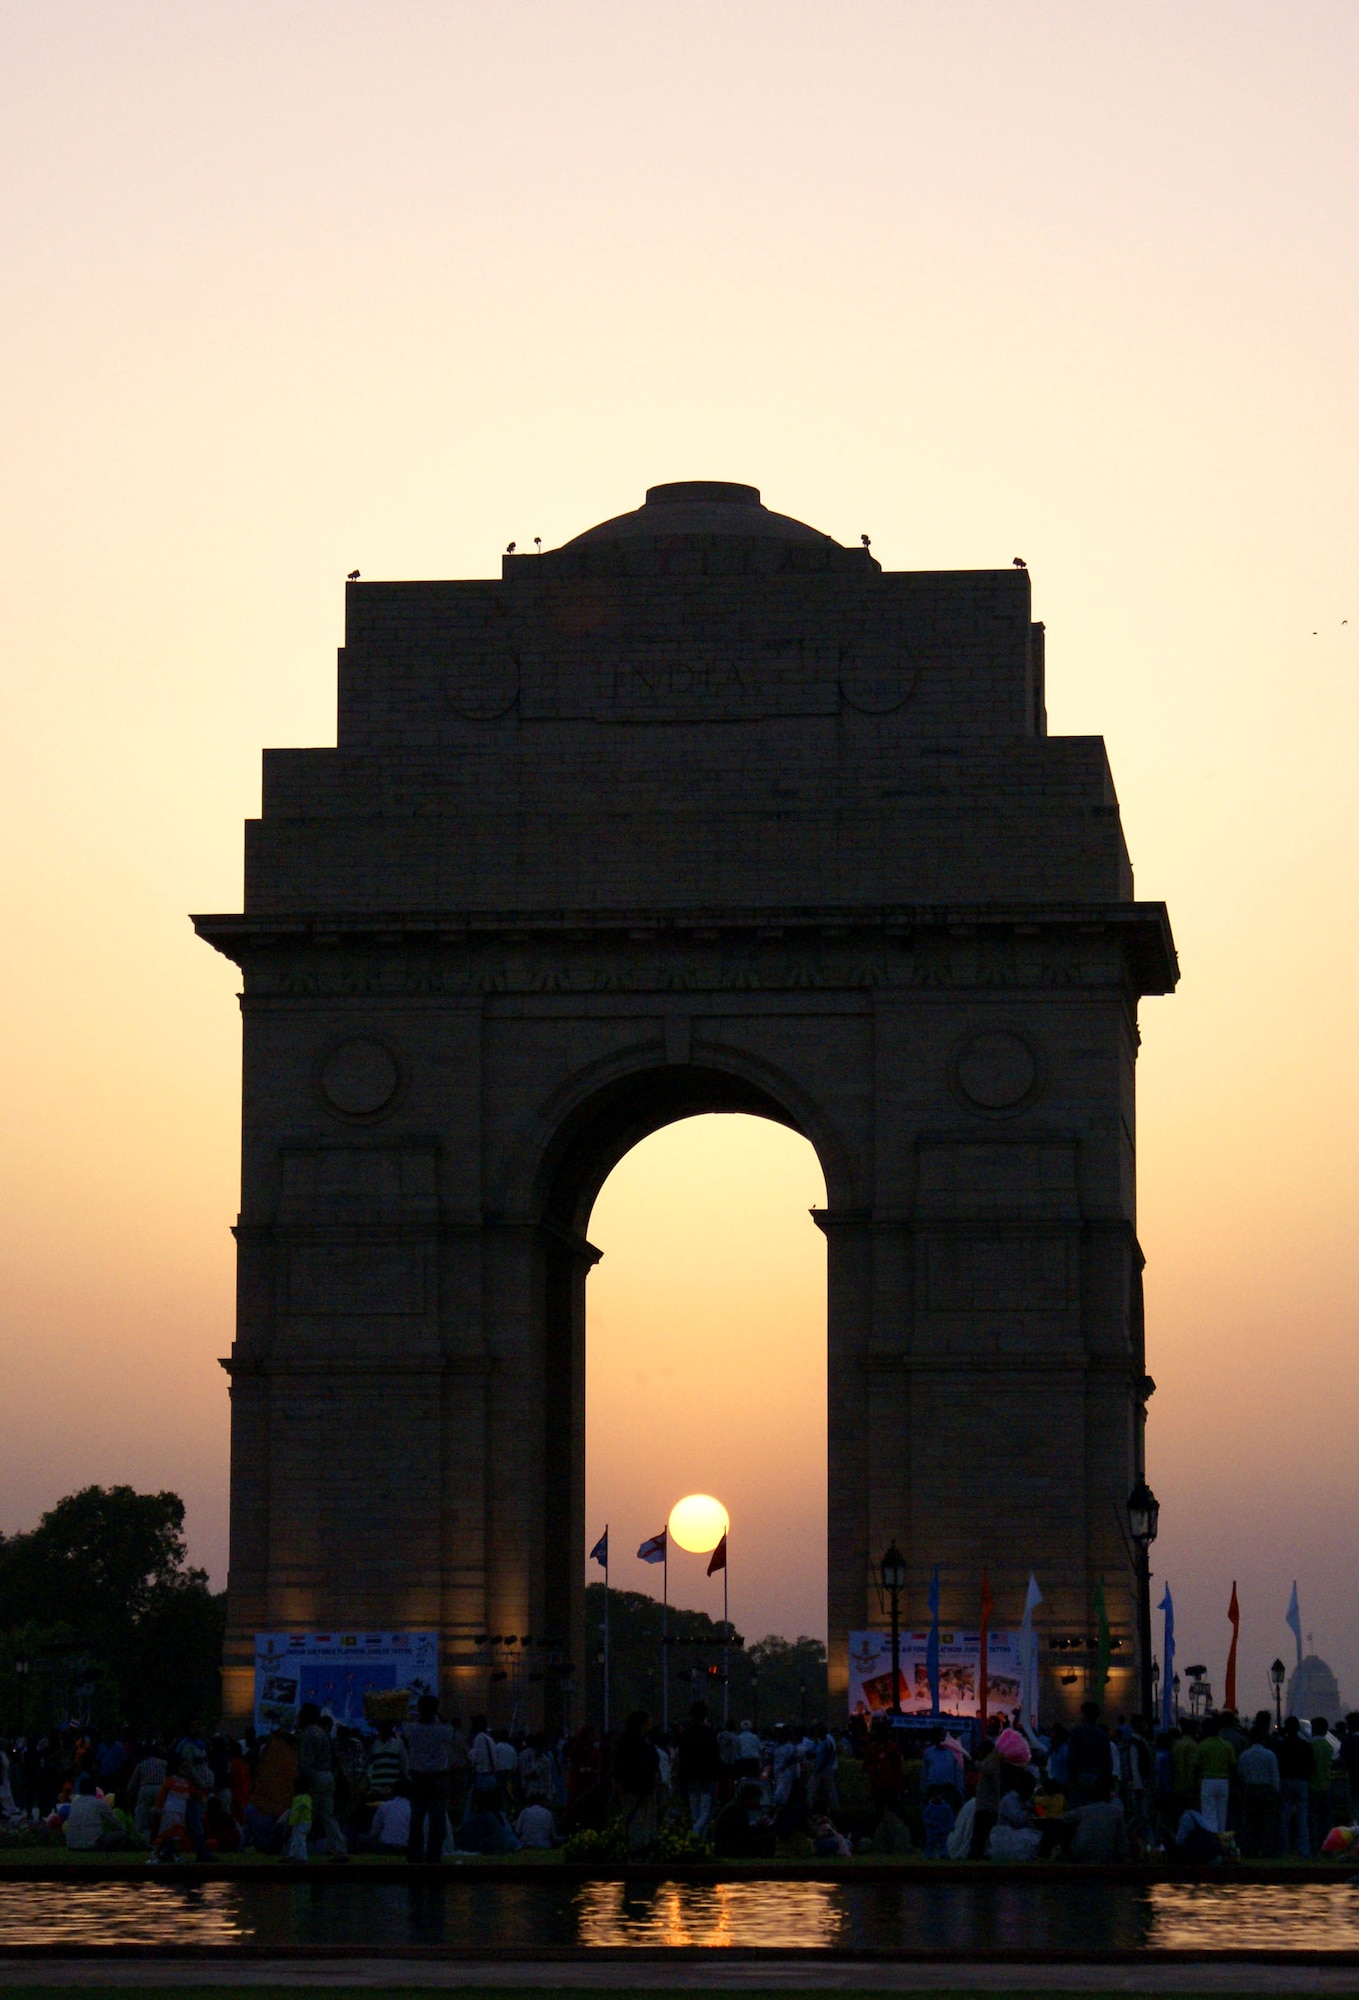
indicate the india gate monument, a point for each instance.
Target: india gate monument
{"x":701,"y":812}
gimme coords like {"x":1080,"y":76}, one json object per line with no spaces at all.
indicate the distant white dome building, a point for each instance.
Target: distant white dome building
{"x":1313,"y":1690}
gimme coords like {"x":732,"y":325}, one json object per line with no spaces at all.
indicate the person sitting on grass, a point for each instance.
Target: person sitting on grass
{"x":390,"y":1831}
{"x":92,"y":1826}
{"x":535,"y":1826}
{"x":485,"y":1830}
{"x":1094,"y":1832}
{"x":740,"y":1831}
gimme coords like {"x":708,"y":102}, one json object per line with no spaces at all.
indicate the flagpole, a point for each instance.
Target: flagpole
{"x":726,"y":1635}
{"x":984,"y":1649}
{"x":665,"y":1628}
{"x":606,"y":1628}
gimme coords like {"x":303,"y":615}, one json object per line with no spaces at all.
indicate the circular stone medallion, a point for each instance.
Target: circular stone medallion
{"x":483,"y":685}
{"x":996,"y":1070}
{"x":876,"y":686}
{"x":359,"y":1078}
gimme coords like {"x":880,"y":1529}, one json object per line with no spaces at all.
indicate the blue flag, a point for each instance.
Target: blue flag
{"x":1167,"y":1605}
{"x":932,"y":1648}
{"x":600,"y":1552}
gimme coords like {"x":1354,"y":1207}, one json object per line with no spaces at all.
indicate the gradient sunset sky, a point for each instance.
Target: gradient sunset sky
{"x":293,"y":289}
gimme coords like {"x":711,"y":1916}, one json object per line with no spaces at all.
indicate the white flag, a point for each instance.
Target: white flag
{"x":1028,"y":1655}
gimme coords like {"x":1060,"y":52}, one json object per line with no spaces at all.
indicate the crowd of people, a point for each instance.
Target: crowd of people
{"x":1200,"y":1791}
{"x":427,"y":1788}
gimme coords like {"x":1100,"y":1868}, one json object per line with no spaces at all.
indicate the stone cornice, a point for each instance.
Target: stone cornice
{"x":1142,"y":930}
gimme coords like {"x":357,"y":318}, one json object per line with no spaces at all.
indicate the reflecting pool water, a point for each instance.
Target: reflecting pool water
{"x":986,"y":1915}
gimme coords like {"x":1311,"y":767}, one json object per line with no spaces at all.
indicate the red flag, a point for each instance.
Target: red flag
{"x":988,"y":1605}
{"x":1234,"y":1619}
{"x":719,"y":1557}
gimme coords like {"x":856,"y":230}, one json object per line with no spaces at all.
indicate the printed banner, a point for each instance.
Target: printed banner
{"x":336,"y":1670}
{"x":870,"y":1672}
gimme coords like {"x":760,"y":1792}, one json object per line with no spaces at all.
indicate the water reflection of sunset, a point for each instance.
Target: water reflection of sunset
{"x":793,"y":1916}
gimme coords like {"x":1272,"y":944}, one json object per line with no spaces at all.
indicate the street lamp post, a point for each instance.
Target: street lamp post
{"x":1276,"y":1675}
{"x":892,"y":1571}
{"x":1144,"y":1515}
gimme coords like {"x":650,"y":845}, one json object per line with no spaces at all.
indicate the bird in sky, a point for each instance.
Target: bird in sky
{"x":352,"y":577}
{"x":509,"y":548}
{"x":1018,"y":562}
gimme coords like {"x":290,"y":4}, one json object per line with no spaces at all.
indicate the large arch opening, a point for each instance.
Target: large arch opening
{"x":709,"y":1107}
{"x":706,"y":1364}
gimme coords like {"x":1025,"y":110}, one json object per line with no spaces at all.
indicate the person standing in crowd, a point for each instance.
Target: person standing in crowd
{"x":637,"y":1773}
{"x":505,"y":1761}
{"x":143,"y":1787}
{"x":939,"y":1771}
{"x":481,"y":1763}
{"x":1296,"y":1765}
{"x":1214,"y":1763}
{"x":316,"y":1776}
{"x":1323,"y":1758}
{"x":698,"y":1767}
{"x":388,"y":1765}
{"x":1257,"y":1773}
{"x":1090,"y":1757}
{"x":429,"y":1746}
{"x":272,"y":1792}
{"x":823,"y":1792}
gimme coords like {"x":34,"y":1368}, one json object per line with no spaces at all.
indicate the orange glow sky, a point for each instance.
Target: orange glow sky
{"x":293,"y":289}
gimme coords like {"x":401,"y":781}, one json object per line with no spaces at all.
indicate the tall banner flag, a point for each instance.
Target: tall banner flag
{"x":1167,"y":1605}
{"x":988,"y":1605}
{"x":1293,"y":1617}
{"x":932,"y":1650}
{"x":1103,"y":1643}
{"x":718,"y":1561}
{"x":1229,"y":1684}
{"x":1028,"y":1654}
{"x":657,"y":1550}
{"x":600,"y":1554}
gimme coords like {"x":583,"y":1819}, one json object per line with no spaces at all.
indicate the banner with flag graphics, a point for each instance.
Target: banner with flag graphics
{"x":959,"y":1670}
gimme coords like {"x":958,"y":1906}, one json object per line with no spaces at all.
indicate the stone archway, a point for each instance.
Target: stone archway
{"x":600,"y":1123}
{"x":701,"y":811}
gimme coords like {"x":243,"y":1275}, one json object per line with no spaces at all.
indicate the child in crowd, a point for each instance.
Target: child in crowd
{"x":939,"y":1817}
{"x":299,"y":1826}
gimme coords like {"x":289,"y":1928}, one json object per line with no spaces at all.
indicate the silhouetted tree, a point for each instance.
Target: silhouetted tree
{"x":104,"y":1576}
{"x":775,"y":1680}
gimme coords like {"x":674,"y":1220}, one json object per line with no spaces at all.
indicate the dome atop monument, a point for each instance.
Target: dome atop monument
{"x":695,"y":527}
{"x":1313,"y":1690}
{"x":702,"y":507}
